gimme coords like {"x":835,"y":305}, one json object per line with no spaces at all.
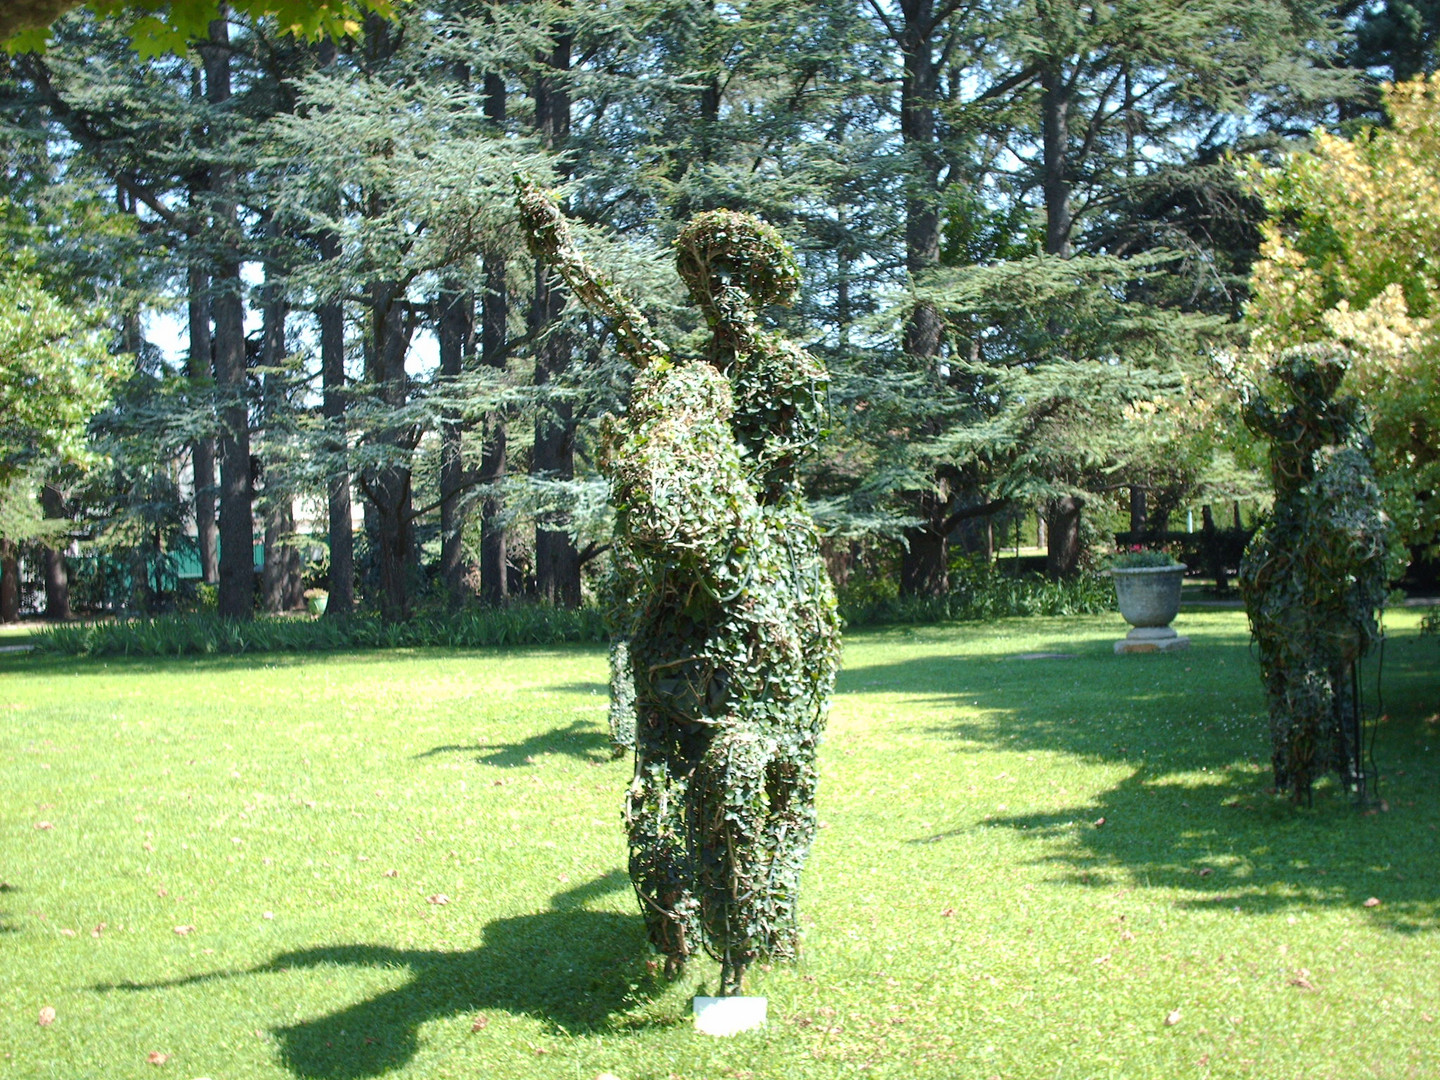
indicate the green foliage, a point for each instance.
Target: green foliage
{"x":207,"y":634}
{"x":981,"y":594}
{"x":1138,"y":559}
{"x":173,"y":25}
{"x":1314,"y":576}
{"x":54,"y":373}
{"x":1349,"y":259}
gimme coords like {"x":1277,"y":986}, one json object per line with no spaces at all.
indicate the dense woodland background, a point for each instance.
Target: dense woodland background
{"x":1027,"y":230}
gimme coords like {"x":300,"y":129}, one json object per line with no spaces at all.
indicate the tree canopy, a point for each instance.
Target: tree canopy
{"x":1350,"y":257}
{"x":1023,"y":229}
{"x":171,"y":25}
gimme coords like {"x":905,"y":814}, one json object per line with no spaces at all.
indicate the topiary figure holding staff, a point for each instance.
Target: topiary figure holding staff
{"x":733,"y":637}
{"x":1314,"y":575}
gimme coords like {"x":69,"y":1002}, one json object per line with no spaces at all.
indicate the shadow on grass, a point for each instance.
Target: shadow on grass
{"x":579,"y":739}
{"x":46,"y":663}
{"x":579,"y":971}
{"x":1194,"y":812}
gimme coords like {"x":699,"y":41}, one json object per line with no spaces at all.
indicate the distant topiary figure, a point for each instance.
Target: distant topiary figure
{"x":727,"y":612}
{"x":1313,"y":577}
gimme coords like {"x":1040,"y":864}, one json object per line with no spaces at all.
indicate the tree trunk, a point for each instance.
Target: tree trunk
{"x":557,"y":563}
{"x":389,"y":485}
{"x":280,"y":579}
{"x":1055,"y":147}
{"x":1062,"y":557}
{"x":457,"y":333}
{"x":926,"y":570}
{"x":1137,"y":513}
{"x":237,"y":530}
{"x":341,"y":601}
{"x":924,"y":563}
{"x":57,"y":577}
{"x":198,"y":367}
{"x":283,"y":581}
{"x":494,"y":317}
{"x":1213,"y":548}
{"x":494,"y":559}
{"x":9,"y":581}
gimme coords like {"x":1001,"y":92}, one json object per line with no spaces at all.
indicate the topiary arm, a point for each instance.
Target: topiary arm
{"x":548,"y":236}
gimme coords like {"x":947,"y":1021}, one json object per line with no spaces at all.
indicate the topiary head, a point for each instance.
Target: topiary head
{"x":730,"y":260}
{"x":1311,"y":374}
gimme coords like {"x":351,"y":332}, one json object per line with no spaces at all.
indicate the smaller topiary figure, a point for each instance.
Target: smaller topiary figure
{"x":724,"y":616}
{"x":1313,"y":577}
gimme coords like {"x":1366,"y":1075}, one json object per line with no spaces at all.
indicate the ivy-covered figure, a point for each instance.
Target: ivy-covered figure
{"x":1314,"y":575}
{"x":727,"y":612}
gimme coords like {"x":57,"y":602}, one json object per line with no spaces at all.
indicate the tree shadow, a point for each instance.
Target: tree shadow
{"x":33,"y":663}
{"x":583,"y":687}
{"x":1195,"y":812}
{"x":579,"y":739}
{"x":6,"y":926}
{"x":580,"y":971}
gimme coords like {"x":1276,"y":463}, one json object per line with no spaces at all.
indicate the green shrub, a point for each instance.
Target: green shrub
{"x":1142,"y":559}
{"x":181,"y":635}
{"x":979,"y":593}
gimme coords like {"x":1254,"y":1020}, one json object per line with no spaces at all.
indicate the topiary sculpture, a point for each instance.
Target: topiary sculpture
{"x":726,"y":611}
{"x":1313,"y":577}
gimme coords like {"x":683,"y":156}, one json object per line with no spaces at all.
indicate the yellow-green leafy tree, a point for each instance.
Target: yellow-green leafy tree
{"x":55,"y":373}
{"x":1351,"y":256}
{"x":171,"y":25}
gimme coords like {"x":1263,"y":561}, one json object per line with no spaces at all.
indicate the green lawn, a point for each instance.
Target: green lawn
{"x":237,"y":863}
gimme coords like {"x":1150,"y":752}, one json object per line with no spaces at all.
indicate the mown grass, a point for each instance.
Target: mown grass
{"x":965,"y":914}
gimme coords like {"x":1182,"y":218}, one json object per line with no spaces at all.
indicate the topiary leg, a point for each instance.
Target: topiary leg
{"x":728,"y":807}
{"x":655,"y":821}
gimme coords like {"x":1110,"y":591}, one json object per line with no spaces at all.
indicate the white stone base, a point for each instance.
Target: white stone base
{"x":729,"y":1015}
{"x":1148,"y":639}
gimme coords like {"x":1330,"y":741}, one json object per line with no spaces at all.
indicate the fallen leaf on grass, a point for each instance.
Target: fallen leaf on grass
{"x":1374,"y":901}
{"x":1173,"y":1018}
{"x":1205,"y":871}
{"x":66,"y":933}
{"x":1427,"y":1018}
{"x":438,"y":898}
{"x":155,"y":1057}
{"x":184,"y":930}
{"x":480,"y":1022}
{"x":43,"y":825}
{"x":948,"y":913}
{"x":1302,"y":980}
{"x":392,"y":873}
{"x":47,"y":1016}
{"x":1099,"y":821}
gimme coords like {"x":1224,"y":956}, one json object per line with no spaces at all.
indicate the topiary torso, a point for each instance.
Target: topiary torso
{"x":720,"y":597}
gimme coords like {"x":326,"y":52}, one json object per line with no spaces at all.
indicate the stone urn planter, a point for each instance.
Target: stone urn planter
{"x":1149,"y":598}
